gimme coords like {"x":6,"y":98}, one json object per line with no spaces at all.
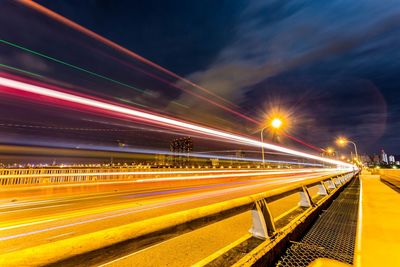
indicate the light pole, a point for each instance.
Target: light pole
{"x":262,"y":147}
{"x":276,"y":123}
{"x":343,"y":141}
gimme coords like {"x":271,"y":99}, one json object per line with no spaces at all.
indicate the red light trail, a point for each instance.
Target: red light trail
{"x":153,"y":118}
{"x":43,"y":10}
{"x":76,"y":26}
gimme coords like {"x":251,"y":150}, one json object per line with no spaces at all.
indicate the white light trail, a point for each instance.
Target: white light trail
{"x":158,"y":119}
{"x":147,"y":173}
{"x":185,"y":178}
{"x":135,"y":209}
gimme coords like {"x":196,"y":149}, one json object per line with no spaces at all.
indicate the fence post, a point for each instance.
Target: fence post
{"x":263,"y":226}
{"x":322,"y":191}
{"x":305,"y":199}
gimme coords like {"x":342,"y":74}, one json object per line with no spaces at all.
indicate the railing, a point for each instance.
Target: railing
{"x":33,"y":176}
{"x":264,"y":225}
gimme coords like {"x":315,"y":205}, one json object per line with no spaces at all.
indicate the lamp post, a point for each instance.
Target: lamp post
{"x":262,"y":147}
{"x":276,"y":123}
{"x":343,"y":141}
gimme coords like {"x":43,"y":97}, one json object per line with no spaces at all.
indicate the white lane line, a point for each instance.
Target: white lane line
{"x":36,"y":208}
{"x":26,"y":224}
{"x":57,"y":236}
{"x":136,"y":252}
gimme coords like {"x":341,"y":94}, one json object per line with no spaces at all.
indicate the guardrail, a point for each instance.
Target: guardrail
{"x":263,"y":227}
{"x":33,"y":176}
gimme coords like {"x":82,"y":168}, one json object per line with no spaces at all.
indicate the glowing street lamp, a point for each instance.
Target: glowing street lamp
{"x":276,"y":123}
{"x":341,"y":141}
{"x":328,"y":152}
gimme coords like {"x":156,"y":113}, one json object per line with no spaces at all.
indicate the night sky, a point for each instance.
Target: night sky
{"x":333,"y":65}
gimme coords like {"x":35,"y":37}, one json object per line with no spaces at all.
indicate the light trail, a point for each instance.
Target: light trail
{"x":41,"y":147}
{"x":122,"y":83}
{"x":156,"y":119}
{"x":238,"y":173}
{"x":301,"y":141}
{"x":43,"y":10}
{"x":71,"y":66}
{"x":19,"y":70}
{"x":138,"y":89}
{"x":132,"y":210}
{"x":163,"y":179}
{"x":146,"y":173}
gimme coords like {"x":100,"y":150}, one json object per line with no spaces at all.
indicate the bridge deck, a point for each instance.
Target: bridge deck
{"x":378,"y":237}
{"x":332,"y":236}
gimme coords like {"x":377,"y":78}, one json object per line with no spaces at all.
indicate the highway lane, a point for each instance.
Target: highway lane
{"x":48,"y":217}
{"x":190,"y":176}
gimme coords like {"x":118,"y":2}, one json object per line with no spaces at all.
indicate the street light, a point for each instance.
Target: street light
{"x":276,"y":123}
{"x":341,"y":141}
{"x":329,"y":152}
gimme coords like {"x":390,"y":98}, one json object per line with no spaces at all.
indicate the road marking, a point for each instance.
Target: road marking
{"x":139,"y":251}
{"x":37,"y":208}
{"x":57,"y":236}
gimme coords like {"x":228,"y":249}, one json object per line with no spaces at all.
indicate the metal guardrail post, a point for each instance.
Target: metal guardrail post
{"x":322,"y":190}
{"x":337,"y":181}
{"x":263,"y":226}
{"x":305,"y":198}
{"x":332,"y":184}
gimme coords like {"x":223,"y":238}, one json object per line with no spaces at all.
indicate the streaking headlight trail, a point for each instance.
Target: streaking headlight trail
{"x":156,"y":119}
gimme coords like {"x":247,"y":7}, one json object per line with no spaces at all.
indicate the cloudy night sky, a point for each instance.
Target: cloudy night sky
{"x":333,"y":66}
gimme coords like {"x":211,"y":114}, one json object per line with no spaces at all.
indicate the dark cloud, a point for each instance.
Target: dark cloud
{"x":335,"y":61}
{"x":333,"y":64}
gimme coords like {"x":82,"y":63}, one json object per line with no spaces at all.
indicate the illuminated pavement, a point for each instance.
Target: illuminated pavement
{"x":50,"y":213}
{"x":378,"y":237}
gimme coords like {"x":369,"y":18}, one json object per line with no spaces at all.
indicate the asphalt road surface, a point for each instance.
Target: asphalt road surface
{"x":31,"y":216}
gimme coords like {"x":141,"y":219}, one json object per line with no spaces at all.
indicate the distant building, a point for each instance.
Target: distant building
{"x":391,"y":159}
{"x":365,"y":159}
{"x":397,"y":162}
{"x":375,"y":159}
{"x":384,"y":157}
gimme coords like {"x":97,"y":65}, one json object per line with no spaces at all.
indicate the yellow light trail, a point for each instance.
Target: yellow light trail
{"x":151,"y":173}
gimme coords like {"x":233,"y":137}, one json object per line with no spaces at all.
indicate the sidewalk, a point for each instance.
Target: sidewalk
{"x":378,"y":233}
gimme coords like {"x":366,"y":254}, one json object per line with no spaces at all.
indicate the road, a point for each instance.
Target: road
{"x":31,"y":216}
